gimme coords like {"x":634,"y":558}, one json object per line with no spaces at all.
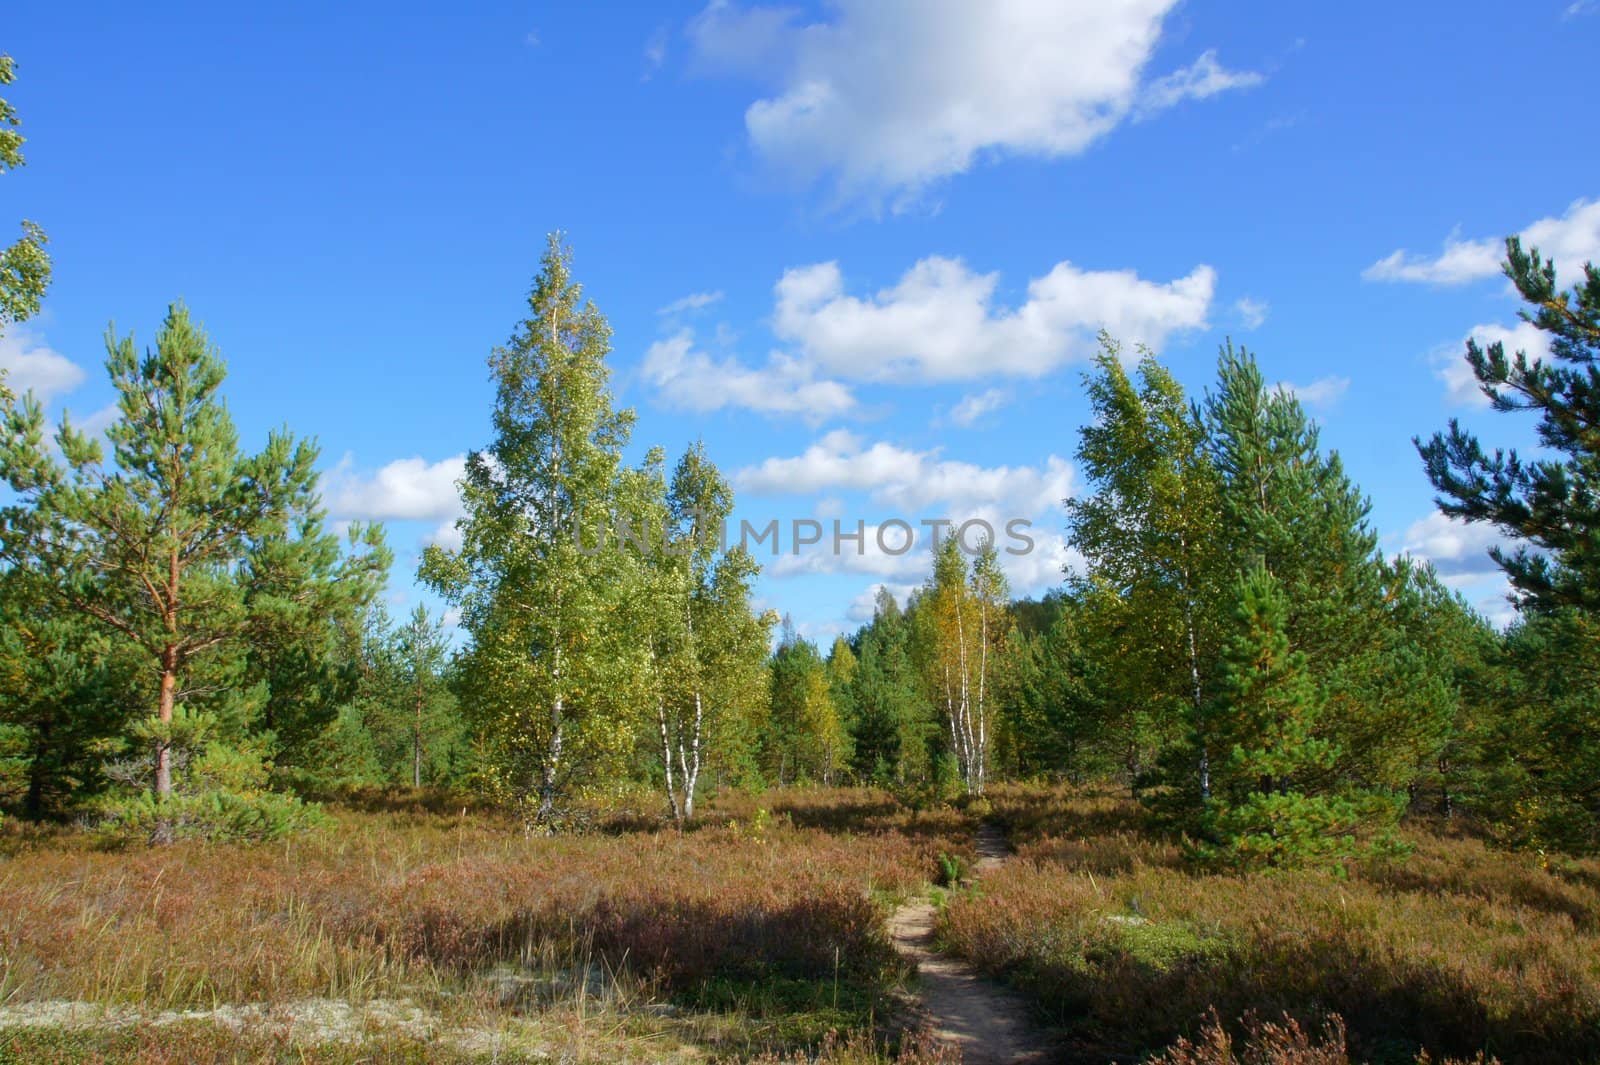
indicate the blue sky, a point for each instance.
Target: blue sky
{"x":861,"y":248}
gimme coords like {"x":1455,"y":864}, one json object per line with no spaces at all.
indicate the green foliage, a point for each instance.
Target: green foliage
{"x":221,"y":791}
{"x":707,"y":649}
{"x":1149,"y":533}
{"x":200,"y":560}
{"x":892,"y":723}
{"x":805,"y":739}
{"x":551,"y":676}
{"x":1551,"y":500}
{"x":25,"y":265}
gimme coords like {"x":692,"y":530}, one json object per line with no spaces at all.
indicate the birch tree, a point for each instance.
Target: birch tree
{"x":707,"y":648}
{"x":1149,"y":533}
{"x":25,"y":265}
{"x":964,"y":623}
{"x":546,"y":658}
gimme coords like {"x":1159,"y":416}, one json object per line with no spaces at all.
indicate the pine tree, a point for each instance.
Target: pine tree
{"x":546,"y":665}
{"x":307,"y":597}
{"x":422,"y":703}
{"x":1266,"y":808}
{"x":65,"y":691}
{"x":1290,"y":508}
{"x":1050,"y":722}
{"x":1551,"y":502}
{"x":152,"y":546}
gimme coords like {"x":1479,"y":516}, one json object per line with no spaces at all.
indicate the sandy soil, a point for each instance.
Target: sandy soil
{"x":987,"y":1023}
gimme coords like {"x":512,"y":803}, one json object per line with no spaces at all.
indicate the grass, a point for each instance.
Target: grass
{"x":1454,"y":950}
{"x":415,"y":930}
{"x":760,"y":931}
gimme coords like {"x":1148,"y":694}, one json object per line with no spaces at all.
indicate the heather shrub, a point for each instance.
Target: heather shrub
{"x":1283,"y":1042}
{"x":391,"y":901}
{"x":1454,"y":949}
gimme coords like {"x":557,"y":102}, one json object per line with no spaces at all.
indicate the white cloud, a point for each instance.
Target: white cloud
{"x":906,"y":479}
{"x":1458,"y":550}
{"x":410,"y":489}
{"x":975,"y":405}
{"x":694,"y":301}
{"x":939,"y":322}
{"x":916,"y":487}
{"x":749,"y":41}
{"x":31,"y":365}
{"x":1323,"y":392}
{"x":1200,"y":79}
{"x":693,"y":380}
{"x":1571,"y":240}
{"x":1461,"y":386}
{"x":1253,"y":313}
{"x":891,"y":95}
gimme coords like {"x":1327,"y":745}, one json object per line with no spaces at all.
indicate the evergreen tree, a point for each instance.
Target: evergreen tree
{"x":1536,"y":740}
{"x":307,"y":599}
{"x":548,"y":678}
{"x":1290,"y":508}
{"x":1551,"y":502}
{"x":1266,"y":808}
{"x":893,"y":725}
{"x":805,"y":739}
{"x":65,"y":691}
{"x":418,"y":730}
{"x":1050,"y":722}
{"x":152,"y":547}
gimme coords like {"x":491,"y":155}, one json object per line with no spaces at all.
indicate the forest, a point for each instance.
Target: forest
{"x":1270,"y":793}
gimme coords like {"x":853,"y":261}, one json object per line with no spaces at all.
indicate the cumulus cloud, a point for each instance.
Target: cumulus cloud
{"x":1458,"y":550}
{"x":890,"y":95}
{"x":1323,"y":392}
{"x":939,"y":322}
{"x":975,"y":405}
{"x":411,"y":489}
{"x":691,"y":379}
{"x":1461,"y":387}
{"x":1571,"y":240}
{"x":29,"y":364}
{"x":904,"y":478}
{"x":916,"y":487}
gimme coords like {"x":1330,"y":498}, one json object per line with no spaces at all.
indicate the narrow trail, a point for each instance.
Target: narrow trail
{"x":987,"y":1023}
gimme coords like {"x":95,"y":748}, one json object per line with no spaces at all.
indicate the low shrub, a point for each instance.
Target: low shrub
{"x":1455,"y":949}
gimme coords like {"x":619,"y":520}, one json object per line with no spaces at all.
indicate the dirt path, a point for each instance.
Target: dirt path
{"x":987,"y":1023}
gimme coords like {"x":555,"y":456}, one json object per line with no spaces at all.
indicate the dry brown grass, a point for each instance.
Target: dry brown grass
{"x":1455,"y":949}
{"x":758,"y":917}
